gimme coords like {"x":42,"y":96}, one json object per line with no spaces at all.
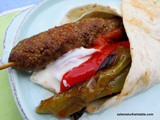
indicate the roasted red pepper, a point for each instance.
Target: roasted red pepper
{"x":87,"y":69}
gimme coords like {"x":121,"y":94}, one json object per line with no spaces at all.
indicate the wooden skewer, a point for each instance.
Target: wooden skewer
{"x":10,"y":64}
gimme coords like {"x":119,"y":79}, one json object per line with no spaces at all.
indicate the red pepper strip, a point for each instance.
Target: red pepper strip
{"x":109,"y":38}
{"x":114,"y":35}
{"x":87,"y":69}
{"x":100,"y":41}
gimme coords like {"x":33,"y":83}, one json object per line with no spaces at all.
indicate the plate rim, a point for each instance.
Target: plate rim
{"x":10,"y":71}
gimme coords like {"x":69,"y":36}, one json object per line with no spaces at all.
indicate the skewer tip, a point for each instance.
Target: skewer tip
{"x":10,"y":64}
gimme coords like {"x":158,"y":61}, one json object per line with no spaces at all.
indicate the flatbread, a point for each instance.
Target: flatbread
{"x":91,"y":10}
{"x":141,"y":20}
{"x":142,"y":24}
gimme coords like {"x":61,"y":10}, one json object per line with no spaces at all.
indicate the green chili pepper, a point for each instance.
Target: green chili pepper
{"x":106,"y":82}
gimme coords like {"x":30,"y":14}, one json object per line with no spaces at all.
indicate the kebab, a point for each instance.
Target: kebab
{"x":39,"y":50}
{"x":105,"y":35}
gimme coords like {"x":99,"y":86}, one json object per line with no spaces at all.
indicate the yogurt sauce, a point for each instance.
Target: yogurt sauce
{"x":51,"y":76}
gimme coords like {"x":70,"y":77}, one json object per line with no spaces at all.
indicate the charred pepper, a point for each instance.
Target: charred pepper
{"x":106,"y":82}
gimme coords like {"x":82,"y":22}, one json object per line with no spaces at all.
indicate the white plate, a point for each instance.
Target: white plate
{"x":28,"y":95}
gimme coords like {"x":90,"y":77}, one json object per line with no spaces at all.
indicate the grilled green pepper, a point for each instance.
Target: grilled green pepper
{"x":106,"y":82}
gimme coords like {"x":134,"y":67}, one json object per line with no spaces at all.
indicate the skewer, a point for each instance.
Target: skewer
{"x":10,"y":64}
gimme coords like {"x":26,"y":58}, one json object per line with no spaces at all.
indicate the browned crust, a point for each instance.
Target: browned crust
{"x":39,"y":50}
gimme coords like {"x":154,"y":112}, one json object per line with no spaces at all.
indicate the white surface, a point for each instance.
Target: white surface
{"x":51,"y":76}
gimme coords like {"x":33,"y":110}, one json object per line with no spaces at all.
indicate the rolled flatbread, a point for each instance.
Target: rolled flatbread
{"x":141,"y":20}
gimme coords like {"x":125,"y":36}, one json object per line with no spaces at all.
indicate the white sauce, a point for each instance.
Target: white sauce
{"x":51,"y":76}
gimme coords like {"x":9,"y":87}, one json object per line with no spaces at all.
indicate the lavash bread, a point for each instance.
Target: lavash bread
{"x":141,"y":19}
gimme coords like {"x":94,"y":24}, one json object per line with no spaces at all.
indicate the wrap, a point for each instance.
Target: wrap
{"x":141,"y":21}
